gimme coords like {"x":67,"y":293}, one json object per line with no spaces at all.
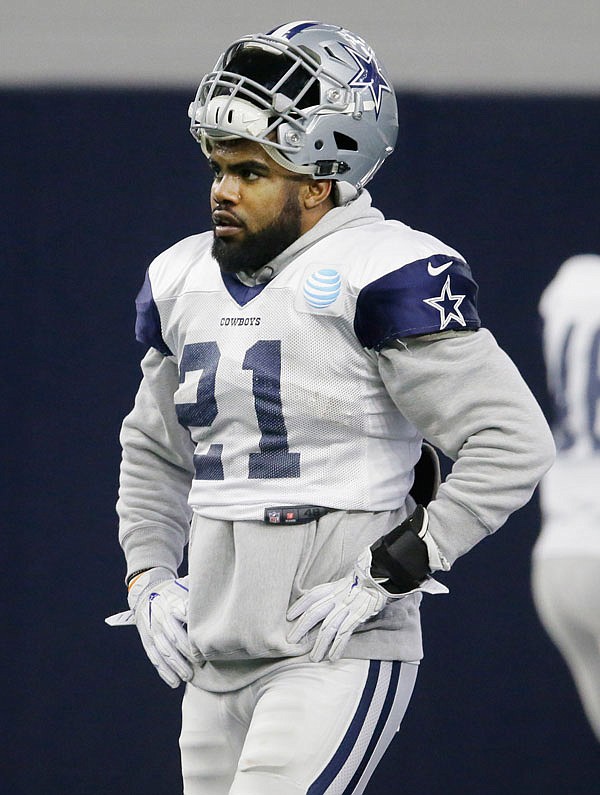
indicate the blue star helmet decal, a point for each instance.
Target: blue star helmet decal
{"x":368,"y":74}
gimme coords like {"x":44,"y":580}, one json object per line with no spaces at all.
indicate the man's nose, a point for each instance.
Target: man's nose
{"x":226,"y":188}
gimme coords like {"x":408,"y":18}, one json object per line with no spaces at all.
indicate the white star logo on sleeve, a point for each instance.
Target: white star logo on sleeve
{"x":447,"y":305}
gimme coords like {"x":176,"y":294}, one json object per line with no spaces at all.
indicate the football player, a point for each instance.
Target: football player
{"x":566,"y":557}
{"x":298,"y":354}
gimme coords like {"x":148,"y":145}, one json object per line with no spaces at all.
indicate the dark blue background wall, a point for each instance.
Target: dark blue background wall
{"x":93,"y":185}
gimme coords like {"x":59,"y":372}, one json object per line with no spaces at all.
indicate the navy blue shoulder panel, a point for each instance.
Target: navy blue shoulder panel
{"x":425,"y":296}
{"x":147,"y":322}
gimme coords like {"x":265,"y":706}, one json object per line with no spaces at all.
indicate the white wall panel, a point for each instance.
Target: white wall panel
{"x":547,"y":45}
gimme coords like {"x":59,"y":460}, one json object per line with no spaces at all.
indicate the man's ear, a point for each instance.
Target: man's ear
{"x":316,"y":192}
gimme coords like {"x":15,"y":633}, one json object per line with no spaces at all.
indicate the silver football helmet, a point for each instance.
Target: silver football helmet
{"x":315,"y":95}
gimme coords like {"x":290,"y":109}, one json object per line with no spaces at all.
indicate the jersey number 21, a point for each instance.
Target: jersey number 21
{"x":273,"y":458}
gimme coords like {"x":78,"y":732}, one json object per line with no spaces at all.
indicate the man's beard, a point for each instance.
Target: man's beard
{"x":259,"y":248}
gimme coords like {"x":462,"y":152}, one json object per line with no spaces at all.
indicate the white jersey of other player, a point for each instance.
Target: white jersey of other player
{"x":570,"y":501}
{"x":277,"y":415}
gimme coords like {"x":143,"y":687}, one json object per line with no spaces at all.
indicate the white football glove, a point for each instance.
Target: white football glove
{"x":159,"y":606}
{"x":342,"y":605}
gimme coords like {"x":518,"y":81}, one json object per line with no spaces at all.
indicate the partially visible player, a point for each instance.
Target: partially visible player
{"x":298,"y":355}
{"x":566,"y":557}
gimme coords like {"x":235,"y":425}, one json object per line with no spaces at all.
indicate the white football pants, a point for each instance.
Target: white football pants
{"x":567,"y":596}
{"x":306,"y":729}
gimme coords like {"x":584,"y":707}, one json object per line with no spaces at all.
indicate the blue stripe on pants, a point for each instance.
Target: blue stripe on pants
{"x":337,"y":762}
{"x":385,"y":712}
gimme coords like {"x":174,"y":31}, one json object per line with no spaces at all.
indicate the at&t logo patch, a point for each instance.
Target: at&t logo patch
{"x":322,"y":288}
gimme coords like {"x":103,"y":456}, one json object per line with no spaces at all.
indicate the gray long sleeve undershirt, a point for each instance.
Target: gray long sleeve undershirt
{"x":468,"y":399}
{"x":156,"y":472}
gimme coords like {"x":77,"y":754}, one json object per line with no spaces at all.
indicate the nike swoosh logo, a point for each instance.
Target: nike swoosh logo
{"x":434,"y":270}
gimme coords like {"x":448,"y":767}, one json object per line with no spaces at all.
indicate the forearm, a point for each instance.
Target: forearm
{"x":469,"y":400}
{"x":156,"y":472}
{"x":153,"y":511}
